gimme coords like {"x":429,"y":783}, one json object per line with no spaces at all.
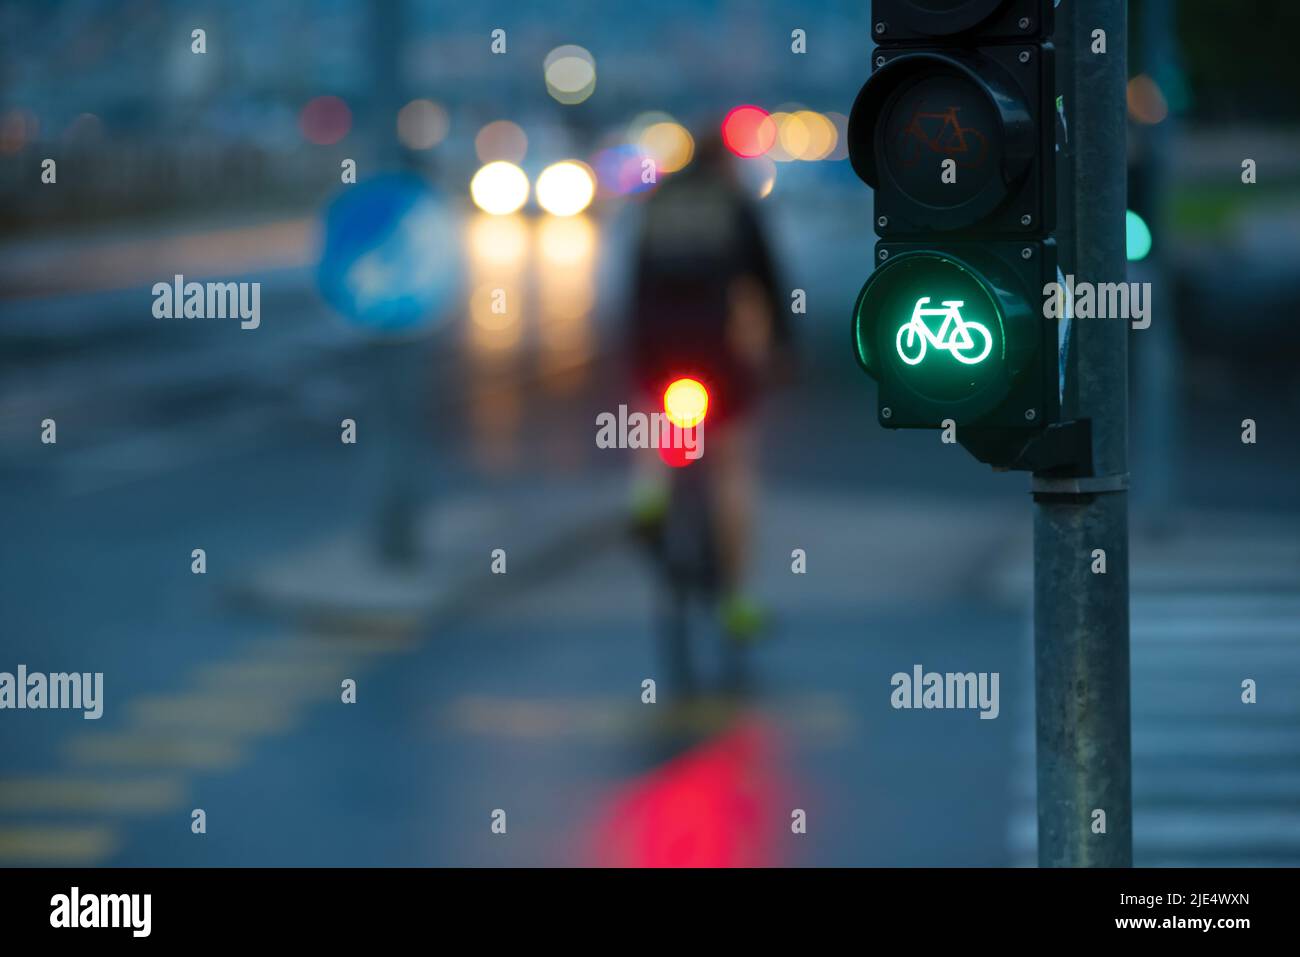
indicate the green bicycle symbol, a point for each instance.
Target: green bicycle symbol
{"x":954,"y":334}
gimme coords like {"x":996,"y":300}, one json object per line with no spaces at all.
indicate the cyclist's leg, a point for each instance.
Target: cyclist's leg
{"x":648,"y":498}
{"x":732,"y":452}
{"x":732,"y":469}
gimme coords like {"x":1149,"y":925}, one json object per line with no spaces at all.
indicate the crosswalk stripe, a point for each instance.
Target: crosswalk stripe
{"x":1270,"y":631}
{"x":1175,"y":785}
{"x":1155,"y":655}
{"x":1215,"y":781}
{"x":1223,"y":602}
{"x":1216,"y":698}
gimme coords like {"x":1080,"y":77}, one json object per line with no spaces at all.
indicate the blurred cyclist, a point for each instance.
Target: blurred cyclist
{"x":705,"y":304}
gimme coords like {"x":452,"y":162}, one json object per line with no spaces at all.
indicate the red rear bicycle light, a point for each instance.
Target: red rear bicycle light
{"x":686,"y":403}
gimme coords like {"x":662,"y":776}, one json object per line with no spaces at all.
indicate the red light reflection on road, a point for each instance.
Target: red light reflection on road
{"x":717,"y":805}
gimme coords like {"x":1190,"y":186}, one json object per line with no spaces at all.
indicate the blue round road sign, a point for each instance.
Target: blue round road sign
{"x":390,"y":261}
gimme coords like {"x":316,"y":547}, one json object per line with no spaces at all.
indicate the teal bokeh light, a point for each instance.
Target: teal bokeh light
{"x":1138,"y":236}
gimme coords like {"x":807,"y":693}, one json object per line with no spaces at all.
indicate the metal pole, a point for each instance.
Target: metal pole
{"x":1081,"y":625}
{"x":396,"y":540}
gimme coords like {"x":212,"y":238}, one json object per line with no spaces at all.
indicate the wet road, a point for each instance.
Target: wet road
{"x":530,"y":701}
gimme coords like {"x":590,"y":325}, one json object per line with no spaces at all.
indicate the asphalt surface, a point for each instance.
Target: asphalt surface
{"x":530,"y":702}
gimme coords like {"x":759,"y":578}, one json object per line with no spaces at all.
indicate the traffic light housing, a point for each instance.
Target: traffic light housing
{"x":955,"y":131}
{"x":910,"y":21}
{"x":958,"y":140}
{"x":954,"y":333}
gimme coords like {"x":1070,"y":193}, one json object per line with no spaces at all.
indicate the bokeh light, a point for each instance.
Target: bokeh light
{"x":501,"y":140}
{"x":669,"y":144}
{"x":422,"y":124}
{"x":1146,"y":101}
{"x":644,"y":121}
{"x":776,"y":151}
{"x":499,"y":188}
{"x":570,"y":73}
{"x":17,"y":129}
{"x":675,"y":455}
{"x":792,"y":138}
{"x":748,"y":131}
{"x":803,"y":135}
{"x":822,"y":135}
{"x":686,"y":402}
{"x":618,"y":171}
{"x":566,"y":188}
{"x":1137,"y":236}
{"x":325,"y":120}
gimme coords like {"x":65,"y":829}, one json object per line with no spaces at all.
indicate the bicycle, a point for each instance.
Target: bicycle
{"x":950,"y":139}
{"x":683,"y":542}
{"x":954,"y":335}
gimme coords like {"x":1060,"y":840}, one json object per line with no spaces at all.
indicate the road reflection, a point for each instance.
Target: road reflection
{"x":528,"y":279}
{"x":719,"y":804}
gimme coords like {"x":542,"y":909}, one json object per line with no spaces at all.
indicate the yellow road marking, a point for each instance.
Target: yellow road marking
{"x":231,"y":714}
{"x":822,"y":715}
{"x":152,"y":749}
{"x":56,"y":845}
{"x":66,"y":793}
{"x":296,"y":681}
{"x":260,"y":692}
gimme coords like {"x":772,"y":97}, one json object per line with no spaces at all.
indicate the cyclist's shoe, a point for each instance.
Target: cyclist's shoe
{"x":743,"y":619}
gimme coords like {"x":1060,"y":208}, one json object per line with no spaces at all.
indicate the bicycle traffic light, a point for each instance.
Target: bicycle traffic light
{"x":954,"y":333}
{"x":955,"y":131}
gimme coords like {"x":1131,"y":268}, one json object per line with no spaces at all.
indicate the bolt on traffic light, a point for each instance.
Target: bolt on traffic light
{"x":955,"y":132}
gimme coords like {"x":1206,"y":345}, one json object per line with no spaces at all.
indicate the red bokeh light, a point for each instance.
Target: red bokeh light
{"x":325,"y":120}
{"x":749,"y":131}
{"x":677,"y":457}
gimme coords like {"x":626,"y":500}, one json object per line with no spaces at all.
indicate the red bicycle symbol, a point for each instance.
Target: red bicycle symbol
{"x":942,"y":133}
